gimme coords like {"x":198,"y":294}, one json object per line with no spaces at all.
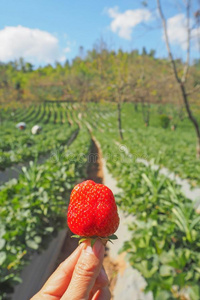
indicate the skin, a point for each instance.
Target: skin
{"x":80,"y":277}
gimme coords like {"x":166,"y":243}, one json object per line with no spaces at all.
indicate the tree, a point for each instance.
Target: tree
{"x":21,"y":64}
{"x":144,"y":51}
{"x":28,"y":67}
{"x":152,"y":53}
{"x":119,"y":83}
{"x":181,"y":80}
{"x":142,"y":93}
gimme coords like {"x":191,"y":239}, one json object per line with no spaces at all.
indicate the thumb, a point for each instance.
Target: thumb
{"x":86,"y":272}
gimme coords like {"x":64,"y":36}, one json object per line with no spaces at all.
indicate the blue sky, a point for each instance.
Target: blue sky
{"x":43,"y":31}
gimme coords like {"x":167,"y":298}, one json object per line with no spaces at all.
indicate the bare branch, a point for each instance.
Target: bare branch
{"x":196,"y":89}
{"x":181,"y":82}
{"x":185,"y":71}
{"x":167,"y":41}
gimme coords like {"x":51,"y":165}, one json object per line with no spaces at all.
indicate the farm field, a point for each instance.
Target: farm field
{"x":165,"y":241}
{"x":110,"y":93}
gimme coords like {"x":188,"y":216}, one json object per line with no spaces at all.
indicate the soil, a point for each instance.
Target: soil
{"x":112,"y":269}
{"x":94,"y":172}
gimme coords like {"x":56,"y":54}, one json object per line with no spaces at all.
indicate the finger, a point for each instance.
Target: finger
{"x":86,"y":272}
{"x":58,"y":282}
{"x":102,"y":279}
{"x":101,"y":282}
{"x":102,"y":294}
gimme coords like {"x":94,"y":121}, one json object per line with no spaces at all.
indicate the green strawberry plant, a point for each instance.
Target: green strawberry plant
{"x":28,"y":147}
{"x":165,"y":242}
{"x":165,"y":232}
{"x":175,"y":148}
{"x":18,"y":146}
{"x":33,"y":208}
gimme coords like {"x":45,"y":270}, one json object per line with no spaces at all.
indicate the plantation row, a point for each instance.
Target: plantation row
{"x":34,"y":208}
{"x":41,"y":113}
{"x":20,"y":146}
{"x":175,"y":150}
{"x":30,"y":147}
{"x":165,"y":244}
{"x":165,"y":241}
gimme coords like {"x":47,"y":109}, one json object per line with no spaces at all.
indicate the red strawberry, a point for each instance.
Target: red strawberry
{"x":92,"y":210}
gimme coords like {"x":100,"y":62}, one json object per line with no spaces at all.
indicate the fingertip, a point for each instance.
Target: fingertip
{"x":73,"y":256}
{"x":98,"y":249}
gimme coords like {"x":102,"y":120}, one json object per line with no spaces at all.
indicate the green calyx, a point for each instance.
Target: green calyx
{"x":94,"y":238}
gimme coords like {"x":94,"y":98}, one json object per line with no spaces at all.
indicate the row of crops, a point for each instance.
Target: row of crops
{"x":20,"y":146}
{"x":175,"y":150}
{"x":33,"y":208}
{"x":43,"y":113}
{"x":165,"y":243}
{"x":165,"y":233}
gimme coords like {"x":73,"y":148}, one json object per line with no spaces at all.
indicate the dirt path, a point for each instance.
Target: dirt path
{"x":95,"y":172}
{"x":40,"y":268}
{"x":129,"y":284}
{"x":125,"y":282}
{"x":95,"y":169}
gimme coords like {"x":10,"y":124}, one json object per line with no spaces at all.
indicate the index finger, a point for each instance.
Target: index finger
{"x":58,"y":282}
{"x":86,"y":272}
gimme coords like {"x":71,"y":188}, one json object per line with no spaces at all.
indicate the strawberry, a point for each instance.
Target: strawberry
{"x":92,"y":211}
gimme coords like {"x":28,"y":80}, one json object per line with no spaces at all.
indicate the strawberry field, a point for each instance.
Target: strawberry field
{"x":165,"y":234}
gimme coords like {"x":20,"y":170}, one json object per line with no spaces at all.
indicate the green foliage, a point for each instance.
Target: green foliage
{"x":175,"y":149}
{"x":164,"y":121}
{"x":165,"y":237}
{"x":33,"y":209}
{"x":165,"y":241}
{"x":20,"y":146}
{"x":90,"y":77}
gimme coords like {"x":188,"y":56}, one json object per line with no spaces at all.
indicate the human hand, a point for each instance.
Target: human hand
{"x":80,"y":277}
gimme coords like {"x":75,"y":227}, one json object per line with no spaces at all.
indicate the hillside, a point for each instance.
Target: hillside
{"x":100,"y":75}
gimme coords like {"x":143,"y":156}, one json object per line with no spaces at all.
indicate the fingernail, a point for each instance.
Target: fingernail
{"x":89,"y":249}
{"x":98,"y":248}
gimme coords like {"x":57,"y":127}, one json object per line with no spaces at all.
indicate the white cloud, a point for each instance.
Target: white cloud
{"x":177,"y":31}
{"x":33,"y":45}
{"x":67,"y":50}
{"x":124,"y":23}
{"x":196,"y":37}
